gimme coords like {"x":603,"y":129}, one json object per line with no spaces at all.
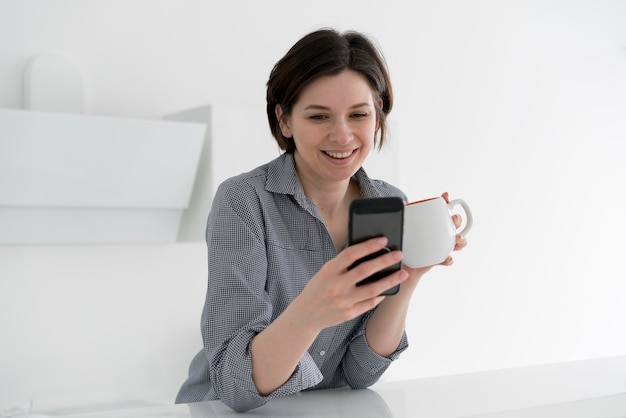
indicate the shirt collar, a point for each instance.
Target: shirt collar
{"x":282,"y":177}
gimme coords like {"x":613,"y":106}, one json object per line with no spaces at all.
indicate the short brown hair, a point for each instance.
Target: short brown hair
{"x":322,"y":53}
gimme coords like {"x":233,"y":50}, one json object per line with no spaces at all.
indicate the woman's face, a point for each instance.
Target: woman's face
{"x":333,"y":125}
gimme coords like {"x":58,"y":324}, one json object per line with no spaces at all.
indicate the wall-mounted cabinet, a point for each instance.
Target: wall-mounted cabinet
{"x":69,"y":178}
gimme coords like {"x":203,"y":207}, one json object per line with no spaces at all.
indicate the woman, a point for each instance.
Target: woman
{"x":283,"y":312}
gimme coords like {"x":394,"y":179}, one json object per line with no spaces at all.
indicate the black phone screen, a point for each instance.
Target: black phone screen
{"x":374,"y":217}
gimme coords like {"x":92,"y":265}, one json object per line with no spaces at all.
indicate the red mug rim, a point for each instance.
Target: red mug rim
{"x":421,"y":201}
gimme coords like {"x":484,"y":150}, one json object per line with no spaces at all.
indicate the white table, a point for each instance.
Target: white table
{"x":592,"y":388}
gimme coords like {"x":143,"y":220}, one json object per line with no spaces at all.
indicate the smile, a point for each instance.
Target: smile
{"x":339,"y":155}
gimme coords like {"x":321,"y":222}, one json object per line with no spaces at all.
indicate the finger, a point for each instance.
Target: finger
{"x":357,"y":251}
{"x":369,"y":267}
{"x":461,"y":242}
{"x":370,"y":303}
{"x":457,"y":220}
{"x":448,"y":261}
{"x":420,"y":271}
{"x":446,"y":197}
{"x":374,"y":289}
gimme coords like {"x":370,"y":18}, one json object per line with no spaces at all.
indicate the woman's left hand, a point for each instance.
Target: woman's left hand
{"x":387,"y":322}
{"x":416,"y":273}
{"x":461,"y":242}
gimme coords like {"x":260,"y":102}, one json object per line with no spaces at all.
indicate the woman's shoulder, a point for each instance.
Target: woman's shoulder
{"x":243,"y":184}
{"x":378,"y":188}
{"x":257,"y":174}
{"x":250,"y":184}
{"x":388,"y":189}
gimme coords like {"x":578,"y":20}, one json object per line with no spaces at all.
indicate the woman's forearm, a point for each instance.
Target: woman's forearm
{"x":385,"y":327}
{"x":277,"y":350}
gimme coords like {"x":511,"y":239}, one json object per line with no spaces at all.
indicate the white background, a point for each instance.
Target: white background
{"x":519,"y":107}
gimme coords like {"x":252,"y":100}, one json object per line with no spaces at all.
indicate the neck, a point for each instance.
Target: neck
{"x":330,"y":197}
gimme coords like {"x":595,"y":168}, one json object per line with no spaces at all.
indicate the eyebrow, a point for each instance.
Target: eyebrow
{"x":320,"y":107}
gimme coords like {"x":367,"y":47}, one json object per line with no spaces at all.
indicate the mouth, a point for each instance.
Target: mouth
{"x":339,"y":155}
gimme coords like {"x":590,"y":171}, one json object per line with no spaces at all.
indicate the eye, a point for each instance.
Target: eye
{"x":318,"y":117}
{"x":359,"y":115}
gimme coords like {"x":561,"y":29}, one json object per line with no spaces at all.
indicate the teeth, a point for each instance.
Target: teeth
{"x":339,"y":154}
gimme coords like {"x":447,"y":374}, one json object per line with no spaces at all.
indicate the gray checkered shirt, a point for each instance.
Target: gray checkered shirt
{"x":265,"y":241}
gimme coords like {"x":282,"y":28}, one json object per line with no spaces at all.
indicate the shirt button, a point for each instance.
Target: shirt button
{"x":322,"y":352}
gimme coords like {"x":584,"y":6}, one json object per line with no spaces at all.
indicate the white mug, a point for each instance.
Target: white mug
{"x":429,"y":232}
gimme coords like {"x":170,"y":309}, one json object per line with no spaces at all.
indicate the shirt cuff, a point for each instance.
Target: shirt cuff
{"x":370,"y":360}
{"x":306,"y":375}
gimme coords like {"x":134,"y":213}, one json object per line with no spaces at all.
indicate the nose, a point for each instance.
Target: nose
{"x":341,"y":131}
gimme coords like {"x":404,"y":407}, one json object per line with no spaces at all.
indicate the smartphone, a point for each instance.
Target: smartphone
{"x":374,"y":217}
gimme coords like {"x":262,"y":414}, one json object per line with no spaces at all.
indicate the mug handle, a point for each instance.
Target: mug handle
{"x":469,"y":219}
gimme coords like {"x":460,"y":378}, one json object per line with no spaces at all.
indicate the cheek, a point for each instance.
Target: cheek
{"x":309,"y":133}
{"x":369,"y":132}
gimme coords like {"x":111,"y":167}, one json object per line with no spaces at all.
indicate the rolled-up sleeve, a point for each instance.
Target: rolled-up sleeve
{"x":362,"y":367}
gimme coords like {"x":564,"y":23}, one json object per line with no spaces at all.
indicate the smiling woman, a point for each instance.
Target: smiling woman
{"x":283,"y":312}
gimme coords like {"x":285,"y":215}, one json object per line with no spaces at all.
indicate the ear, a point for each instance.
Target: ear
{"x":283,"y":122}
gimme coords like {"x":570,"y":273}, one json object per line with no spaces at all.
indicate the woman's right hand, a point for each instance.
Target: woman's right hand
{"x":330,"y":298}
{"x":332,"y":295}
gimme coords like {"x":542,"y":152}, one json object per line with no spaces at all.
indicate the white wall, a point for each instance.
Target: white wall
{"x":98,"y":324}
{"x":516,"y":106}
{"x":521,"y":109}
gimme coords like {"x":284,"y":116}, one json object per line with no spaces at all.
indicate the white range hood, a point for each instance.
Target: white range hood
{"x":72,"y":178}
